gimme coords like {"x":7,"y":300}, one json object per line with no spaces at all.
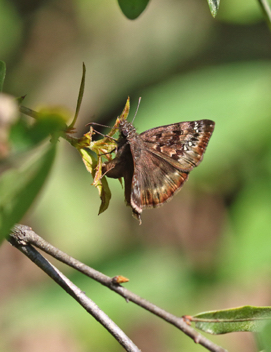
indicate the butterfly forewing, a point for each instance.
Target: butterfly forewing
{"x":182,"y":144}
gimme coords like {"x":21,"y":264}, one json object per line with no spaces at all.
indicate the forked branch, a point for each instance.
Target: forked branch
{"x":22,"y":237}
{"x":73,"y":291}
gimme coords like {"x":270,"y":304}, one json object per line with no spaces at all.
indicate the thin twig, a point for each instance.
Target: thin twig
{"x":266,"y":10}
{"x":28,"y":236}
{"x":28,"y":112}
{"x":75,"y":292}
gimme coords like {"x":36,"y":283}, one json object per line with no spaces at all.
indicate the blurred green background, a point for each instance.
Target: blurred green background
{"x":210,"y":247}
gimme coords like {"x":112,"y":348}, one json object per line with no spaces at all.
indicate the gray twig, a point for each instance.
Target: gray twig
{"x":91,"y":307}
{"x":22,"y":236}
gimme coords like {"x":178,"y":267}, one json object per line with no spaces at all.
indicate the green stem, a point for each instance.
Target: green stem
{"x":266,"y":10}
{"x":28,"y":112}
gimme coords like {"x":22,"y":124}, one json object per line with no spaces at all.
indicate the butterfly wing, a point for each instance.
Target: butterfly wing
{"x":155,"y":180}
{"x":156,"y":163}
{"x":181,"y":144}
{"x":121,"y":166}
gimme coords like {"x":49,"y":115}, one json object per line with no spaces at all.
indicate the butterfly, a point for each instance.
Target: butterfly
{"x":156,"y":163}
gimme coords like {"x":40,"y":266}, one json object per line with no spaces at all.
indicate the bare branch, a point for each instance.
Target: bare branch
{"x":75,"y":292}
{"x":26,"y":235}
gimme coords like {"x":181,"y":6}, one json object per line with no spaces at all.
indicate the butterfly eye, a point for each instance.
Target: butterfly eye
{"x":123,"y":129}
{"x":124,"y":132}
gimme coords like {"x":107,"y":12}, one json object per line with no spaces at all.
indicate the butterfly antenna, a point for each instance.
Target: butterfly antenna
{"x":100,"y":133}
{"x":139,"y":100}
{"x":97,"y":124}
{"x":105,"y":135}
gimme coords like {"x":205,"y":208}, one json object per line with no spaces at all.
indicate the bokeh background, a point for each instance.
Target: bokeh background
{"x":210,"y":247}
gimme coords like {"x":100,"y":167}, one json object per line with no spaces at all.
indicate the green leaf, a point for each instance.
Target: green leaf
{"x":2,"y":74}
{"x":213,"y":5}
{"x":247,"y":318}
{"x":49,"y":122}
{"x":19,"y":188}
{"x":100,"y":183}
{"x":132,"y":8}
{"x":80,"y":97}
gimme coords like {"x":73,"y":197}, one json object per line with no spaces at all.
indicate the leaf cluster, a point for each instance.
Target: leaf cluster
{"x":35,"y":142}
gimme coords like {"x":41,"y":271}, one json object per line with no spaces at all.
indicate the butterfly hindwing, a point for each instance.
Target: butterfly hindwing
{"x":154,"y":182}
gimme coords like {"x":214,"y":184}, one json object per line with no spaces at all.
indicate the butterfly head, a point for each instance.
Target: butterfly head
{"x":127,"y":129}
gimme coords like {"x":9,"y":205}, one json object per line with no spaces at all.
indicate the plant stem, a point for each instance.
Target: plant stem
{"x":266,"y":10}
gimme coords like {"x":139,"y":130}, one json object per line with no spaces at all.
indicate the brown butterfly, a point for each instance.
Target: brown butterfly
{"x":156,"y":163}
